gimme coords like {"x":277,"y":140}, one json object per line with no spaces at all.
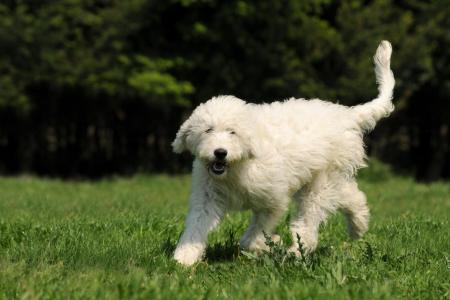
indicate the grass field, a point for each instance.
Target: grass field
{"x":113,"y":239}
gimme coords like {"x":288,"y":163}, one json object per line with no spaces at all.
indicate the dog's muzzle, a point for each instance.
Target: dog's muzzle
{"x":218,"y":167}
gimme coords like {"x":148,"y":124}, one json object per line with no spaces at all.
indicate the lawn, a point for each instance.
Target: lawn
{"x":114,"y":238}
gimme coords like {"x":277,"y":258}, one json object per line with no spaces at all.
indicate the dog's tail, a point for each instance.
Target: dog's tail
{"x":369,"y":113}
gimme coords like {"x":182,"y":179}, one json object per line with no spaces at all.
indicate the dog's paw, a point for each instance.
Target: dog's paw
{"x":306,"y":249}
{"x":294,"y":249}
{"x":187,"y":255}
{"x":258,"y":245}
{"x":276,"y":239}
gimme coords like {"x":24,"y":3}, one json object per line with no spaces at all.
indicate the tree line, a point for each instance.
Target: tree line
{"x":96,"y":87}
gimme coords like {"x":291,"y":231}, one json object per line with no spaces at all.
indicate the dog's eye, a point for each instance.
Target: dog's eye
{"x":208,"y":130}
{"x":232,"y":132}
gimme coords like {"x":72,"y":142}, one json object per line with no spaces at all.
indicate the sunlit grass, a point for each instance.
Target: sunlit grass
{"x":113,"y":239}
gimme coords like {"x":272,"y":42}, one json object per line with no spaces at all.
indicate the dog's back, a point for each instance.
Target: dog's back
{"x":324,"y":129}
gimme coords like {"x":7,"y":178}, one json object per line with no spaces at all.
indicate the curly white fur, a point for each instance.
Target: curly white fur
{"x":308,"y":151}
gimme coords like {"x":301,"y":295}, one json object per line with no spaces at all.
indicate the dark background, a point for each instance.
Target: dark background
{"x":99,"y":87}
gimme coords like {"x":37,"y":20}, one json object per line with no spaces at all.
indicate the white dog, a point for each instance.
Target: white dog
{"x":259,"y":157}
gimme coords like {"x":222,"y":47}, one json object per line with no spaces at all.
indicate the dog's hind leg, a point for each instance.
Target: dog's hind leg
{"x":315,"y":202}
{"x":354,"y":205}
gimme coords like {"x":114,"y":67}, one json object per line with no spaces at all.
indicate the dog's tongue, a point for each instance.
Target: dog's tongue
{"x":218,"y":167}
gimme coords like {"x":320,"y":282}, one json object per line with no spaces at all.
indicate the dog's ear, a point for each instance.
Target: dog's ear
{"x":251,"y":148}
{"x":179,"y":144}
{"x":249,"y":144}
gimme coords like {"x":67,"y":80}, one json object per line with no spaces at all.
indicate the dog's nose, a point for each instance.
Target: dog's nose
{"x":220,"y":153}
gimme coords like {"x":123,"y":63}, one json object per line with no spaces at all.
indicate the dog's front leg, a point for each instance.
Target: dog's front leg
{"x":262,"y":222}
{"x":204,"y":215}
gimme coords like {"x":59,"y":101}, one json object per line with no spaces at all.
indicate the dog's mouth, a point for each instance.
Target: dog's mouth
{"x":218,"y":167}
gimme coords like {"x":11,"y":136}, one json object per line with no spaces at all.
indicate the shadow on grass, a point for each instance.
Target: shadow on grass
{"x":168,"y":247}
{"x":221,"y":252}
{"x":227,"y":250}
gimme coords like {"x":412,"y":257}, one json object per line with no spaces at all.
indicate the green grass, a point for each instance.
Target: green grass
{"x":114,"y":238}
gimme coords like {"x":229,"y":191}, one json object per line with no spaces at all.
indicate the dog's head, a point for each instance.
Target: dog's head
{"x":217,"y":133}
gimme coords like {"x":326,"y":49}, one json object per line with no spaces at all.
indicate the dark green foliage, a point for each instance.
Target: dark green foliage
{"x":90,"y":87}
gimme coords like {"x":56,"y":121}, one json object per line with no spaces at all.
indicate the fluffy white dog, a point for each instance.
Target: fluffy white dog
{"x":259,"y":157}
